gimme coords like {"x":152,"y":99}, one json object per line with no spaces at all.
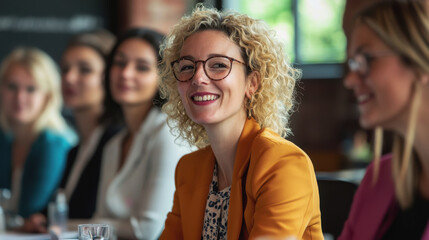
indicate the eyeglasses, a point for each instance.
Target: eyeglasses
{"x":216,"y":67}
{"x":361,"y":62}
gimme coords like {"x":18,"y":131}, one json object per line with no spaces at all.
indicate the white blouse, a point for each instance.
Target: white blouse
{"x":143,"y":189}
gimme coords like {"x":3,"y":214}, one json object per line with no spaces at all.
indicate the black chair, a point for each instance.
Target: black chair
{"x":336,"y":197}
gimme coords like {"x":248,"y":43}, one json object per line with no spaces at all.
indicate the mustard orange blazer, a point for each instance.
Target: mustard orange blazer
{"x":281,"y":190}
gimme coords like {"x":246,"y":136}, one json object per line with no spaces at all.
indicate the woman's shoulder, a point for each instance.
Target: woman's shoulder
{"x":155,"y":124}
{"x":270,"y":153}
{"x":196,"y":158}
{"x":195,"y":166}
{"x":115,"y":141}
{"x":269,"y":142}
{"x":385,"y":165}
{"x":53,"y":138}
{"x":50,"y":146}
{"x":160,"y":133}
{"x":384,"y":177}
{"x":156,"y":117}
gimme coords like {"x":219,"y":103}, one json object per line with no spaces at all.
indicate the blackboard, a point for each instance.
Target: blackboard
{"x":48,"y":24}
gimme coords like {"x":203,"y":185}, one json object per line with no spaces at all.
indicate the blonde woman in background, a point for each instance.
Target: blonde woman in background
{"x":33,"y":143}
{"x":230,"y":91}
{"x":389,"y":74}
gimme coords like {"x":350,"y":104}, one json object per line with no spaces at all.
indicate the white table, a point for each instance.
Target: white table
{"x":27,"y":236}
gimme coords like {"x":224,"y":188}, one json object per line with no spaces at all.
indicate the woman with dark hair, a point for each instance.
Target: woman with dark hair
{"x":137,"y":171}
{"x":83,"y":66}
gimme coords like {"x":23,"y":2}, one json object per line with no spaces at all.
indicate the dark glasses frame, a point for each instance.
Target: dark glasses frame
{"x":231,"y":60}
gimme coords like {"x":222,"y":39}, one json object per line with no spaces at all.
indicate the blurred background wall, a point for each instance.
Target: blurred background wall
{"x":48,"y":24}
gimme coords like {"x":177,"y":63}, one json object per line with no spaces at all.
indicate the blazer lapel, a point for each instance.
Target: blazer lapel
{"x":195,"y":194}
{"x":242,"y":159}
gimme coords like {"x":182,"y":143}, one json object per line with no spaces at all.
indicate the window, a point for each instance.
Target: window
{"x":311,"y":30}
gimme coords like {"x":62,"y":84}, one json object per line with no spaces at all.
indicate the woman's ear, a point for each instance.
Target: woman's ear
{"x":253,"y":81}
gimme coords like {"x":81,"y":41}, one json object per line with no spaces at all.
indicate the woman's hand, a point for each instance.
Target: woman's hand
{"x":36,"y":223}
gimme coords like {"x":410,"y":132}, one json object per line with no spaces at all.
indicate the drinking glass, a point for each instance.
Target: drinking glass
{"x":4,"y":197}
{"x":94,"y":231}
{"x":12,"y":219}
{"x":138,"y":233}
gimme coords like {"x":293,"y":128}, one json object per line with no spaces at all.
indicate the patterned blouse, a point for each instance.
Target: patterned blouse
{"x":216,"y":214}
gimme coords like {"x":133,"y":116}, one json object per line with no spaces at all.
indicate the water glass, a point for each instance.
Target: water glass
{"x":5,"y":196}
{"x":12,"y":219}
{"x":138,"y":233}
{"x":94,"y":231}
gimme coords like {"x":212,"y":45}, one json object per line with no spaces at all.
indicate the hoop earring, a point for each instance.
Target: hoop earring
{"x":249,"y":107}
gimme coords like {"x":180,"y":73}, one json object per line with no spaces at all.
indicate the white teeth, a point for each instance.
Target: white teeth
{"x":205,"y":98}
{"x":363,"y":97}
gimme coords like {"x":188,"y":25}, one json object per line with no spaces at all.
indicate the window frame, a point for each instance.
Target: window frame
{"x":333,"y":70}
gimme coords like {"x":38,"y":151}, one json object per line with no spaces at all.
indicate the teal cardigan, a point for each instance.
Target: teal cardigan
{"x":42,"y":170}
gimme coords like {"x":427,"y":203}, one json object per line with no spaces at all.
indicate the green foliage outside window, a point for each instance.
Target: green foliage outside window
{"x":276,"y":13}
{"x":321,"y":38}
{"x":319,"y":34}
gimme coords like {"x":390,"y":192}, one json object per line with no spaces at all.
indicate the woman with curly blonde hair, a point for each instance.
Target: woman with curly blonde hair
{"x":230,"y":91}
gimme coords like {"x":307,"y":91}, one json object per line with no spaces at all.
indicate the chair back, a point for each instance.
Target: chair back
{"x":336,"y":197}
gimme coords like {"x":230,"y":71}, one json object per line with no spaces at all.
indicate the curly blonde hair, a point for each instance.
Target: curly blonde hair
{"x":272,"y":103}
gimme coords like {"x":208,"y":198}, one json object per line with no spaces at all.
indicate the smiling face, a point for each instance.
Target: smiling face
{"x":134,"y":74}
{"x":82,"y":77}
{"x":384,"y":93}
{"x":22,"y":100}
{"x":210,"y":102}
